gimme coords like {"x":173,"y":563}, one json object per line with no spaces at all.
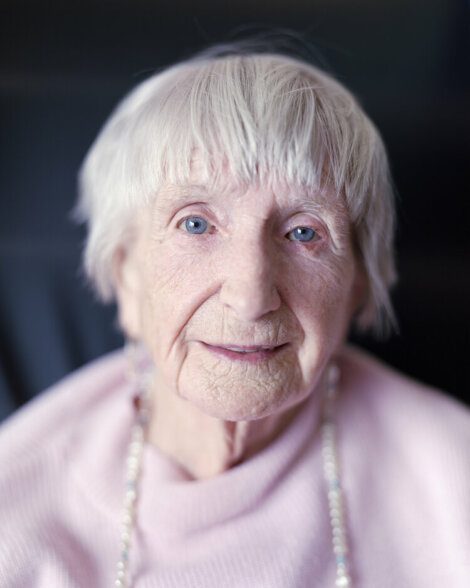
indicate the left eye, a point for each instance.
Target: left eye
{"x":303,"y":234}
{"x":195,"y":225}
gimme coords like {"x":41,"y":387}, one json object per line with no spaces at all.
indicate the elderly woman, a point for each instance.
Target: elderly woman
{"x":240,"y":212}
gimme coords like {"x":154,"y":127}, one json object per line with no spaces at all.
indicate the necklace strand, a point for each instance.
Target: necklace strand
{"x":133,"y":469}
{"x":331,"y":472}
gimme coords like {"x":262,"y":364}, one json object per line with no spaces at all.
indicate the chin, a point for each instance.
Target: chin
{"x":244,"y":404}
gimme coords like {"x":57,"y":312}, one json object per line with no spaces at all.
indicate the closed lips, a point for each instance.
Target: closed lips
{"x":248,"y":348}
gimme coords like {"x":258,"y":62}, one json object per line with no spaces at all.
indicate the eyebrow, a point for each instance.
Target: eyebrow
{"x":177,"y":195}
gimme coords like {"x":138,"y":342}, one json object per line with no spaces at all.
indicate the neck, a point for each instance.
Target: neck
{"x":205,"y":446}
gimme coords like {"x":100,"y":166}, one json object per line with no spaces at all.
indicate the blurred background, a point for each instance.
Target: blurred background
{"x":65,"y":64}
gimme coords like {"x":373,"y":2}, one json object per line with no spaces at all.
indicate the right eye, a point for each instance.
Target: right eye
{"x":195,"y":225}
{"x":303,"y":234}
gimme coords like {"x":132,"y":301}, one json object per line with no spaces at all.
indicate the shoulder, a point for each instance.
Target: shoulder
{"x":401,"y":397}
{"x":37,"y":442}
{"x":37,"y":454}
{"x":405,"y":451}
{"x":47,"y":417}
{"x":403,"y":417}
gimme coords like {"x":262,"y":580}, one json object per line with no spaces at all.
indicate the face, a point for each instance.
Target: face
{"x":241,"y":296}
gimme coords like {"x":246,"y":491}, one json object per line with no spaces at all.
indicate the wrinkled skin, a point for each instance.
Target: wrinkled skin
{"x":243,"y":281}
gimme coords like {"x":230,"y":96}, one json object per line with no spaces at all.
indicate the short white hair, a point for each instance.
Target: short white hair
{"x":273,"y":118}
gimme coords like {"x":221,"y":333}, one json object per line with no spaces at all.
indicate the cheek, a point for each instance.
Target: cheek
{"x":320,"y":288}
{"x":174,"y":285}
{"x":321,"y":300}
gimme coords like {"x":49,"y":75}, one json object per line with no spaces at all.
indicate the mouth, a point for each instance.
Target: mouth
{"x":247,"y":353}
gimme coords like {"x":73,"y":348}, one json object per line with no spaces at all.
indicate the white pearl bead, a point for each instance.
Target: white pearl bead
{"x":132,"y":462}
{"x":338,"y":541}
{"x":332,"y":476}
{"x":130,"y":494}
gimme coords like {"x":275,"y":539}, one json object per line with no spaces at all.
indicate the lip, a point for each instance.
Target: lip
{"x":245,"y":353}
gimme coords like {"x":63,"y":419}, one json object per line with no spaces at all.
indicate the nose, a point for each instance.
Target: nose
{"x":249,"y":287}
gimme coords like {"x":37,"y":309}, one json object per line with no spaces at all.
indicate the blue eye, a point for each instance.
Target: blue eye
{"x":195,"y":225}
{"x":303,"y":234}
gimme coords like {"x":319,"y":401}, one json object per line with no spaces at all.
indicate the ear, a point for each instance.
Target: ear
{"x":126,"y":277}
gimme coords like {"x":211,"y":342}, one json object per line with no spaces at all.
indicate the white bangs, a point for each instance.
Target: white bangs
{"x":267,"y":120}
{"x":261,"y":119}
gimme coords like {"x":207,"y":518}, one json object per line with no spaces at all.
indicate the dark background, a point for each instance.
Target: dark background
{"x":65,"y":64}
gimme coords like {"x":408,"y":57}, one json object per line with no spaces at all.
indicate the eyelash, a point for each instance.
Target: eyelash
{"x":316,"y":238}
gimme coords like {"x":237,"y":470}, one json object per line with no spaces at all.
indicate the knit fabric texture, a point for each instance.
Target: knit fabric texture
{"x":404,"y":452}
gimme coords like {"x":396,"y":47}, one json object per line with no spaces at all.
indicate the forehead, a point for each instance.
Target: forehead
{"x":214,"y":179}
{"x":230,"y":193}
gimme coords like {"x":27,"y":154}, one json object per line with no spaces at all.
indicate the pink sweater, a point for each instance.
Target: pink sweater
{"x":405,"y":461}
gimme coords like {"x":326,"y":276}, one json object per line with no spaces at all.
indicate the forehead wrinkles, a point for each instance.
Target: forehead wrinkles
{"x":210,"y":176}
{"x":218,"y":190}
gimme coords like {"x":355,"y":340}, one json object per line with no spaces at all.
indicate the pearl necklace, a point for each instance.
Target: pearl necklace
{"x":142,"y":405}
{"x":330,"y":469}
{"x":331,"y":472}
